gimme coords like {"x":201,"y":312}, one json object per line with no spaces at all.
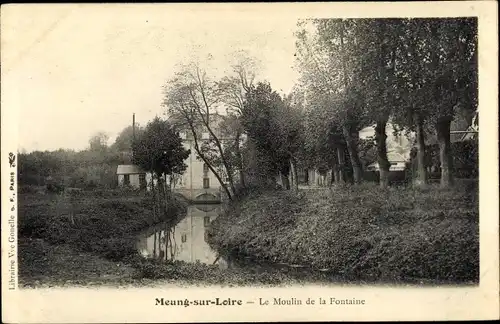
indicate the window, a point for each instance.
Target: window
{"x":206,"y":221}
{"x":183,"y":238}
{"x":126,"y":179}
{"x":205,"y":167}
{"x":206,"y":183}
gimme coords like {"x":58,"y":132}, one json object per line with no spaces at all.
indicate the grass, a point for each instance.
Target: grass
{"x":98,"y":246}
{"x":102,"y":224}
{"x":360,"y":233}
{"x":355,"y":234}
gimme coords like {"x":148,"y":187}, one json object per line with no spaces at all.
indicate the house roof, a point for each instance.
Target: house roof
{"x":129,"y":169}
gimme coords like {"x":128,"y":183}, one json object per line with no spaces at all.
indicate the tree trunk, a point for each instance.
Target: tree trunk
{"x":293,"y":172}
{"x":420,"y":179}
{"x":153,"y":196}
{"x":204,"y":114}
{"x":203,"y":157}
{"x":445,"y":157}
{"x":239,"y":159}
{"x":306,"y":176}
{"x":166,"y":230}
{"x":383,"y":162}
{"x":285,"y":181}
{"x":229,"y":170}
{"x":353,"y":154}
{"x":340,"y":164}
{"x":154,"y":245}
{"x":161,"y":196}
{"x":336,"y":174}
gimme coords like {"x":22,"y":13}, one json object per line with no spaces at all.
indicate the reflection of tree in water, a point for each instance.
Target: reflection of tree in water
{"x":166,"y":247}
{"x":168,"y":240}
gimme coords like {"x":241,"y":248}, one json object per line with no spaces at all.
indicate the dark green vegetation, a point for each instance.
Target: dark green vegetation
{"x":360,"y":233}
{"x":102,"y":223}
{"x":90,"y":240}
{"x":159,"y":149}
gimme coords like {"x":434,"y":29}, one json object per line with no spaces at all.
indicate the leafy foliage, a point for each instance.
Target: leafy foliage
{"x":124,"y":140}
{"x":273,"y":125}
{"x":160,"y":149}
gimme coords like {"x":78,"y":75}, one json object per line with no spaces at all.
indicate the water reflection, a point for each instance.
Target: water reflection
{"x":187,"y":241}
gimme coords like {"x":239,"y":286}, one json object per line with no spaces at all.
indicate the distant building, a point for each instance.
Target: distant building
{"x":399,"y":143}
{"x":397,"y":161}
{"x":198,"y":182}
{"x":131,"y":175}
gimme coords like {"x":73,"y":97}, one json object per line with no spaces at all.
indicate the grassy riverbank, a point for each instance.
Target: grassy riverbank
{"x":360,"y":233}
{"x":101,"y":222}
{"x":89,"y":240}
{"x":47,"y":265}
{"x":94,"y":224}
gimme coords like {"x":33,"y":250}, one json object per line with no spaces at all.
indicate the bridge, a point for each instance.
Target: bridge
{"x":200,"y":196}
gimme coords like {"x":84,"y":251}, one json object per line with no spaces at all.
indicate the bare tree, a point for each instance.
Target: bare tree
{"x":193,"y":98}
{"x":234,"y":89}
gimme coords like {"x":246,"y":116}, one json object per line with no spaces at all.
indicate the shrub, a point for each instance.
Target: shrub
{"x":359,"y":232}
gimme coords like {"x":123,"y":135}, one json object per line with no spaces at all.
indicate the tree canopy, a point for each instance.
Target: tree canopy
{"x":160,"y":149}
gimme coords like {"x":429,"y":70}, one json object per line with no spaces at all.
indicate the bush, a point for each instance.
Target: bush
{"x":359,"y":232}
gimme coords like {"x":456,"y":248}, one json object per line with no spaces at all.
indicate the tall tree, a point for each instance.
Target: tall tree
{"x":376,"y":48}
{"x":234,"y":88}
{"x":326,"y":51}
{"x":98,"y":141}
{"x":161,"y":152}
{"x":437,"y":75}
{"x":193,"y":98}
{"x":268,"y":123}
{"x":124,"y":140}
{"x":454,"y":60}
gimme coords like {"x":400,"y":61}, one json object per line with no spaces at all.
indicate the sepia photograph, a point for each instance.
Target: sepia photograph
{"x":164,"y":151}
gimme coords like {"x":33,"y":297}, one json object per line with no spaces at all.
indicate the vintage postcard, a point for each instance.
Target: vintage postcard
{"x":249,"y":162}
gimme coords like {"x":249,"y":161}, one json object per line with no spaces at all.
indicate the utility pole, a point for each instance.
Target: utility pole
{"x":133,"y":135}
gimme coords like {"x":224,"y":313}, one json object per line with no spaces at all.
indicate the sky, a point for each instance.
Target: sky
{"x":72,"y":71}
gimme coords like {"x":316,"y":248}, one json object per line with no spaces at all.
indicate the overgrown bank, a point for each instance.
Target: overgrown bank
{"x":360,"y":233}
{"x":90,"y":240}
{"x":102,"y":223}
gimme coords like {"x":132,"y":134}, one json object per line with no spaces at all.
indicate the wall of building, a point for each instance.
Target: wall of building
{"x":190,"y":183}
{"x":134,"y":180}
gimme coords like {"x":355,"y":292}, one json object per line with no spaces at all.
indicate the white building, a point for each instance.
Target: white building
{"x":397,"y":161}
{"x":198,"y":182}
{"x":133,"y":176}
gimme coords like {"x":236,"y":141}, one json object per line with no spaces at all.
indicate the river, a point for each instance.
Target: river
{"x":187,"y":241}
